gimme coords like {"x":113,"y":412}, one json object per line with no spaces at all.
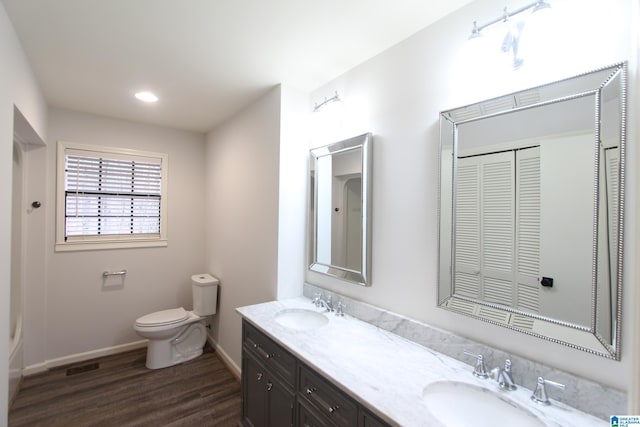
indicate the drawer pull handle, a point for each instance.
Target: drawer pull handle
{"x":259,"y":376}
{"x":333,"y":409}
{"x":262,"y":352}
{"x":311,"y":390}
{"x":269,"y":386}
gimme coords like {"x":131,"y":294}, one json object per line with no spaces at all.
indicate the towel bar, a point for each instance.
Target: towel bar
{"x":114,"y":273}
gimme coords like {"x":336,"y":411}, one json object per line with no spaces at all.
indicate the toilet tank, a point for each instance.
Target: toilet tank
{"x":205,"y":294}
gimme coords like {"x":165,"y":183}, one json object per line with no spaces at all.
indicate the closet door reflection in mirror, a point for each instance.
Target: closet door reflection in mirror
{"x":531,"y":210}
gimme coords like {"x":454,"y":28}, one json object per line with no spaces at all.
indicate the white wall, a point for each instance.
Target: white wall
{"x":242,"y":157}
{"x":19,"y":88}
{"x":293,"y":191}
{"x":78,"y":315}
{"x":398,"y":94}
{"x":566,"y":227}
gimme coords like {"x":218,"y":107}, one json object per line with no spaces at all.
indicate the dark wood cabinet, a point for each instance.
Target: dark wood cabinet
{"x":337,"y":408}
{"x":279,"y":391}
{"x":367,"y":419}
{"x":268,"y":380}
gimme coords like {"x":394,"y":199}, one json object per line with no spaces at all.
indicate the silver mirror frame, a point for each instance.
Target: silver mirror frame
{"x":363,"y":143}
{"x":449,"y":120}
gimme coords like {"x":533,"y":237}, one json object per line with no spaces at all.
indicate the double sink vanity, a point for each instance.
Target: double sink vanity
{"x":303,"y":365}
{"x":507,"y":256}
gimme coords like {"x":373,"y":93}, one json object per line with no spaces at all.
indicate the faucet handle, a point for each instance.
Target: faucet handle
{"x":316,"y":299}
{"x":479,"y":370}
{"x":540,"y":393}
{"x":340,"y":308}
{"x":507,"y":365}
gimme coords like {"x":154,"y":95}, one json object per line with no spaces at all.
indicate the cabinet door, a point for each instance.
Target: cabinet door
{"x":280,"y":404}
{"x":254,"y":383}
{"x":307,"y":417}
{"x":369,"y":420}
{"x":266,"y":401}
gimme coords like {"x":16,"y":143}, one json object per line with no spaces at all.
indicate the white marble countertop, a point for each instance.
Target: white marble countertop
{"x":388,"y":373}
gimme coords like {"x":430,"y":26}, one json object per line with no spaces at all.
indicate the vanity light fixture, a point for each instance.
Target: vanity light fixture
{"x":512,"y":38}
{"x":146,"y":96}
{"x":327,"y":101}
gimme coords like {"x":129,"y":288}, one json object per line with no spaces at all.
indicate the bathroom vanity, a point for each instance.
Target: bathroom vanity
{"x":303,"y":366}
{"x":280,"y":390}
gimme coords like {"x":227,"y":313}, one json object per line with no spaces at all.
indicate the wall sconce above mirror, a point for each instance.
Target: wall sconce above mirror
{"x":340,"y":209}
{"x":326,"y":102}
{"x":531,"y":210}
{"x":514,"y":30}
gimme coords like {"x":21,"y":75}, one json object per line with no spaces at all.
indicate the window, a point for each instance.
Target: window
{"x":110,"y":198}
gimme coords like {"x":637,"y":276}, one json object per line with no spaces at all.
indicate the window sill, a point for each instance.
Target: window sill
{"x":103,"y":245}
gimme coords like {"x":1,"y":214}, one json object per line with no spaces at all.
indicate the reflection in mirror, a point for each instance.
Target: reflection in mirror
{"x":339,"y":207}
{"x":531,"y":210}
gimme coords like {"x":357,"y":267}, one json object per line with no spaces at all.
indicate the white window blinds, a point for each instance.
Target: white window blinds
{"x":111,"y":195}
{"x":110,"y":198}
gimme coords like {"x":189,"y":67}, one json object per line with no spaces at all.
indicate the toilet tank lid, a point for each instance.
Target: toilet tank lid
{"x":204,"y":279}
{"x":164,"y":317}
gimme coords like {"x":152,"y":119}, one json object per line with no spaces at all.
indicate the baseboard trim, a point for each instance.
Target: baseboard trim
{"x":108,"y":351}
{"x":81,"y":357}
{"x":235,"y":369}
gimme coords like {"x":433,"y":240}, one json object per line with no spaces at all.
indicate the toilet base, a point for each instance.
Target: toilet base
{"x":186,"y":345}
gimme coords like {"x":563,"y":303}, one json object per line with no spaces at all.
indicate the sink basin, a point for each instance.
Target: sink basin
{"x":458,"y":404}
{"x":301,"y":319}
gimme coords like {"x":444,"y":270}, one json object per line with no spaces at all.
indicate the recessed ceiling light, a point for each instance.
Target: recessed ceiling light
{"x":146,"y":97}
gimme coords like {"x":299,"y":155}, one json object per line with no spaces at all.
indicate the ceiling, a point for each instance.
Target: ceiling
{"x":205,"y":59}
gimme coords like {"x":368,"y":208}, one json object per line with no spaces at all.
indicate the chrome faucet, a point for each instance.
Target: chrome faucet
{"x":540,"y":393}
{"x":326,"y":303}
{"x":479,"y":370}
{"x":504,"y":377}
{"x":318,"y":301}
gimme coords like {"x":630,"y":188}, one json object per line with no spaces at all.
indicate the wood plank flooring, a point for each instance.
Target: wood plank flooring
{"x":122,"y":392}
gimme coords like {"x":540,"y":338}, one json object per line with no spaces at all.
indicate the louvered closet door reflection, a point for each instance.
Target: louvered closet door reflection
{"x":528,"y":230}
{"x":497,"y":219}
{"x":484,"y":227}
{"x":467,"y":228}
{"x":498,"y":227}
{"x":612,"y":172}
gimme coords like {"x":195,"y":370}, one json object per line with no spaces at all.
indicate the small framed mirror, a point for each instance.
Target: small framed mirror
{"x":531,"y":210}
{"x":340,"y":209}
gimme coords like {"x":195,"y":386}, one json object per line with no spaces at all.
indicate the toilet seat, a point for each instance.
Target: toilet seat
{"x":163,"y":318}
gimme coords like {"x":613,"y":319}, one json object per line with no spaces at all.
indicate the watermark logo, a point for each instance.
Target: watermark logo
{"x":625,"y":420}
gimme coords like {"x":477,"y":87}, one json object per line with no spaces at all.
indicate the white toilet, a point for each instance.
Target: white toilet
{"x":177,"y":335}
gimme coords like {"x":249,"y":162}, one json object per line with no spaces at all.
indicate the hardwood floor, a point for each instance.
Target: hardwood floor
{"x":119,"y":391}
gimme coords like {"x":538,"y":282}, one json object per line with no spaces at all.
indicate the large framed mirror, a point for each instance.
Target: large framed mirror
{"x":531,"y":210}
{"x":340,"y":209}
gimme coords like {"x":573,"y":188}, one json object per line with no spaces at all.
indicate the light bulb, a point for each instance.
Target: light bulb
{"x":146,"y":96}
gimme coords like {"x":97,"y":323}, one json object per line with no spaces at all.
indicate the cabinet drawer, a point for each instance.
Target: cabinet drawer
{"x":327,"y":399}
{"x":271,"y":354}
{"x":308,"y":417}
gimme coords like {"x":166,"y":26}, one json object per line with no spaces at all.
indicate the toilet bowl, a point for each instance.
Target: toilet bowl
{"x":177,"y":335}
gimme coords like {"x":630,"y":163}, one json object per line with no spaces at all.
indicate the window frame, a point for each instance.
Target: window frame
{"x":106,"y":241}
